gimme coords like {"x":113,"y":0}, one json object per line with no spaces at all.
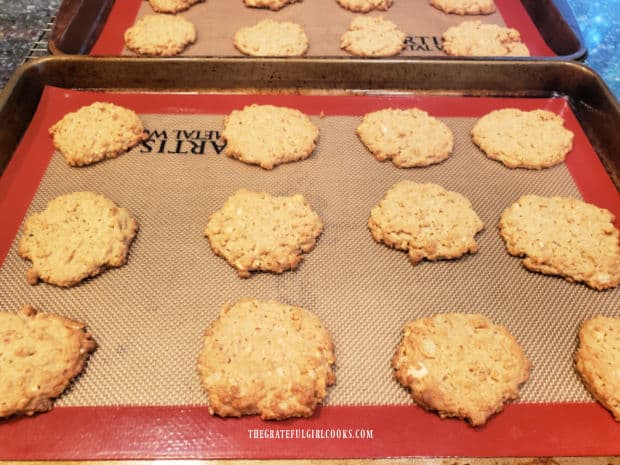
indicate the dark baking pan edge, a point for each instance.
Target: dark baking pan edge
{"x":591,"y":100}
{"x":79,"y":23}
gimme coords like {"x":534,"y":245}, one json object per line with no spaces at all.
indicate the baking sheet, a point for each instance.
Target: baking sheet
{"x":148,"y":315}
{"x":547,"y":27}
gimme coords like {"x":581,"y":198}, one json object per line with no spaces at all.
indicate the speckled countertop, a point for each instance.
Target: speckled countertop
{"x":21,"y":22}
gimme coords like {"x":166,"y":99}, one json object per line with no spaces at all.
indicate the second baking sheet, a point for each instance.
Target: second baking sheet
{"x":324,"y":22}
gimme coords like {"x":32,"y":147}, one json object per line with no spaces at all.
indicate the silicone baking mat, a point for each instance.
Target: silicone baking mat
{"x":140,"y":396}
{"x":324,"y":21}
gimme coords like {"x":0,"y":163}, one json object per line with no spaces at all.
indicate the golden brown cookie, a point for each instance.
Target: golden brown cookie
{"x":364,"y":6}
{"x":255,"y":231}
{"x":372,"y":36}
{"x":461,"y":365}
{"x":77,"y":236}
{"x":96,"y":132}
{"x":564,"y":236}
{"x":408,"y":137}
{"x":160,"y":35}
{"x":267,"y":136}
{"x":598,"y":360}
{"x":272,"y":38}
{"x":474,"y":38}
{"x":426,"y":220}
{"x":40,"y":353}
{"x":465,"y":7}
{"x":523,"y":139}
{"x":171,"y":6}
{"x":273,"y":5}
{"x":266,"y":358}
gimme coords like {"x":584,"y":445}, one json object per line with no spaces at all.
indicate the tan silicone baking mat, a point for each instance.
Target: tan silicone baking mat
{"x":148,"y":316}
{"x":324,"y":21}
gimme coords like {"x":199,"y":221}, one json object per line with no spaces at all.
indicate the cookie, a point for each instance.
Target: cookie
{"x":255,"y":231}
{"x":266,"y":358}
{"x":77,"y":236}
{"x":40,"y":353}
{"x":270,"y":38}
{"x":473,"y":38}
{"x":96,"y":132}
{"x":372,"y":36}
{"x":597,"y":360}
{"x":564,"y":236}
{"x":407,"y":137}
{"x":267,"y":136}
{"x":160,"y":35}
{"x":461,"y":365}
{"x":426,"y":220}
{"x":273,"y":5}
{"x":465,"y":7}
{"x":523,"y":139}
{"x":364,"y":6}
{"x":171,"y":6}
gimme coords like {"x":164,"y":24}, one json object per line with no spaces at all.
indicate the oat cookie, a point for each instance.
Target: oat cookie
{"x":465,"y":7}
{"x":372,"y":36}
{"x":272,"y":38}
{"x":461,"y":365}
{"x":267,"y":136}
{"x":473,"y":38}
{"x":255,"y":231}
{"x":96,"y":132}
{"x":273,"y":5}
{"x":564,"y":236}
{"x":266,"y":358}
{"x":40,"y":353}
{"x":598,"y":360}
{"x":78,"y":235}
{"x":523,"y":139}
{"x":171,"y":6}
{"x":426,"y":220}
{"x":160,"y":35}
{"x":364,"y":6}
{"x":407,"y":137}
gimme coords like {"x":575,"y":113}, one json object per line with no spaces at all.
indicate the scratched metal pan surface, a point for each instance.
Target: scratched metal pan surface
{"x":95,"y":27}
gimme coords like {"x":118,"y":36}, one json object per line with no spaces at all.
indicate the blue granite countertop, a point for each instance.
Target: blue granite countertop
{"x":21,"y":22}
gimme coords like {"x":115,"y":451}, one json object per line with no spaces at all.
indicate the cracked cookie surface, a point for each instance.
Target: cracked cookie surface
{"x":426,"y":220}
{"x":407,"y":137}
{"x":523,"y":139}
{"x":77,"y":236}
{"x":96,"y":132}
{"x":266,"y":358}
{"x":474,"y":38}
{"x":597,"y":360}
{"x":40,"y":353}
{"x":256,"y":231}
{"x":564,"y":236}
{"x":461,"y":365}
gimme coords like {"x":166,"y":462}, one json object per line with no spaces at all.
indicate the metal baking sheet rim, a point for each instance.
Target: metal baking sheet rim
{"x":71,"y":12}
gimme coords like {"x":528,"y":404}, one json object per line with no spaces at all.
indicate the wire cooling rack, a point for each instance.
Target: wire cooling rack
{"x":39,"y":46}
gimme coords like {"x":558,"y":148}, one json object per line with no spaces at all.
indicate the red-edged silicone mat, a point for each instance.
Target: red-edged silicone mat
{"x":511,"y":12}
{"x":335,"y":431}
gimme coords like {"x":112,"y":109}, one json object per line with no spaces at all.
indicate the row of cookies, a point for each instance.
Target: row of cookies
{"x":80,"y":234}
{"x":409,"y":138}
{"x":277,"y":361}
{"x":461,"y":7}
{"x":162,"y":34}
{"x":255,"y":231}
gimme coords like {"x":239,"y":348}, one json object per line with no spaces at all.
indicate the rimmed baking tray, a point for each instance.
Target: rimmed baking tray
{"x":140,"y":396}
{"x":96,"y":27}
